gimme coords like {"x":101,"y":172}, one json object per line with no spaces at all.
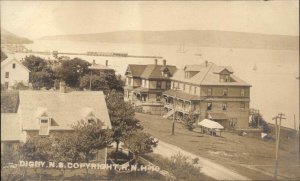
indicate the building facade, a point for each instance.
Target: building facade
{"x":13,"y":72}
{"x":209,"y":91}
{"x":52,"y":114}
{"x":145,"y":85}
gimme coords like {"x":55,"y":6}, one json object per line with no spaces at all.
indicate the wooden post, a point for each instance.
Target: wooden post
{"x":91,"y":80}
{"x":277,"y":132}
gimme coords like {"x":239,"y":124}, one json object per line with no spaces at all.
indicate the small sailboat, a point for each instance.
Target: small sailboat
{"x":181,"y":48}
{"x":255,"y":68}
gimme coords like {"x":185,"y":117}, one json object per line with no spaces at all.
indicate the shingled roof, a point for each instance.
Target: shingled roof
{"x":64,"y":109}
{"x":135,"y":70}
{"x":151,"y":71}
{"x":207,"y":75}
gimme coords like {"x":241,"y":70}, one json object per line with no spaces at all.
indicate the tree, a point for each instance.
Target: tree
{"x":34,"y":63}
{"x":106,"y":81}
{"x":97,"y":82}
{"x":42,"y":79}
{"x":88,"y":138}
{"x":70,"y":71}
{"x":37,"y":148}
{"x":140,"y":143}
{"x":189,"y":121}
{"x":122,"y":117}
{"x":41,"y":74}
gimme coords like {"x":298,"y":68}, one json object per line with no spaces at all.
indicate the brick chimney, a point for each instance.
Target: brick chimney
{"x":94,"y":62}
{"x":155,"y":61}
{"x":106,"y":63}
{"x":206,"y":63}
{"x":62,"y":87}
{"x":164,"y":62}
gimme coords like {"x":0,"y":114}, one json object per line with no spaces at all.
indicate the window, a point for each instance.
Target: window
{"x":209,"y":106}
{"x":195,"y":90}
{"x":209,"y":91}
{"x":173,"y":85}
{"x":44,"y":121}
{"x":158,"y":84}
{"x":183,"y":86}
{"x":91,"y":120}
{"x":242,"y":105}
{"x":13,"y":65}
{"x":44,"y":126}
{"x":6,"y":85}
{"x":224,"y":106}
{"x":6,"y":74}
{"x":190,"y":89}
{"x":225,"y":92}
{"x":168,"y":85}
{"x":158,"y":97}
{"x":242,"y":92}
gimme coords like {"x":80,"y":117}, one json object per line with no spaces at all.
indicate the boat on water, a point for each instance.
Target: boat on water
{"x":181,"y":48}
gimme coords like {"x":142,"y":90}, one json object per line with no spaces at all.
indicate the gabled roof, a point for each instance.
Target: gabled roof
{"x":10,"y":60}
{"x":154,"y":71}
{"x":136,"y":70}
{"x":150,"y":71}
{"x":10,"y":127}
{"x":64,"y":109}
{"x":207,"y":75}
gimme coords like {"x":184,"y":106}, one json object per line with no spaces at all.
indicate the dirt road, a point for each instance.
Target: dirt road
{"x":207,"y":167}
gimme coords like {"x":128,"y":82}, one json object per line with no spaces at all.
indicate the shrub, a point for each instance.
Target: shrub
{"x":179,"y":166}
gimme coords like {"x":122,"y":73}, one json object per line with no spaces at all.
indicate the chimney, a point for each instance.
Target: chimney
{"x":106,"y":63}
{"x":62,"y":87}
{"x":164,"y":62}
{"x":206,"y":63}
{"x":94,"y":62}
{"x":155,"y":61}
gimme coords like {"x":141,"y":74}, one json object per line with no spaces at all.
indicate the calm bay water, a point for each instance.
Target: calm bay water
{"x":274,"y":85}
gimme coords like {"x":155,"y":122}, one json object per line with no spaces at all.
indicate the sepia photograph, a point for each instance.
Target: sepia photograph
{"x":150,"y":90}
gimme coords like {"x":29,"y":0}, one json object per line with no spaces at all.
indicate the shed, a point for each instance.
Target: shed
{"x":210,"y":126}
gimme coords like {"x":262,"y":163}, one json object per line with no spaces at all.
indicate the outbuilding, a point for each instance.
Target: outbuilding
{"x":209,"y":126}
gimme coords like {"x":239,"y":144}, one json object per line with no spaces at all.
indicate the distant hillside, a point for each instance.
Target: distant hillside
{"x":209,"y":38}
{"x":10,"y":38}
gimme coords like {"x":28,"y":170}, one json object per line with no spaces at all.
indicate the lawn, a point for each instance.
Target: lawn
{"x":249,"y":156}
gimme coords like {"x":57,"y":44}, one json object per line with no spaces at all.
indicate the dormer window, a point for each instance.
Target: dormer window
{"x":225,"y":92}
{"x":44,"y":126}
{"x":224,"y":78}
{"x":91,"y":120}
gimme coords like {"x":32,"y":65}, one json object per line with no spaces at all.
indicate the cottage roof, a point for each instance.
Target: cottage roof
{"x":207,"y":75}
{"x":10,"y":127}
{"x":10,"y":60}
{"x":64,"y":109}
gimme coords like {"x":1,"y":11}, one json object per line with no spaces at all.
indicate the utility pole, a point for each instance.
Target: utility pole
{"x":174,"y":109}
{"x":277,"y":132}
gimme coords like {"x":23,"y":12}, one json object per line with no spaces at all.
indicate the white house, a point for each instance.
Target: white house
{"x":13,"y":72}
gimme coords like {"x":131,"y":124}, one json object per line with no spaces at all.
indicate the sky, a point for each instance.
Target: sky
{"x":35,"y":19}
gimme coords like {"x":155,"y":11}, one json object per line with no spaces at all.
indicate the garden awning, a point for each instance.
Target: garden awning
{"x":210,"y":124}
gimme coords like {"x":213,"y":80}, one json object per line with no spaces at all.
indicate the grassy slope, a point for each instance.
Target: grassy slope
{"x":230,"y":150}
